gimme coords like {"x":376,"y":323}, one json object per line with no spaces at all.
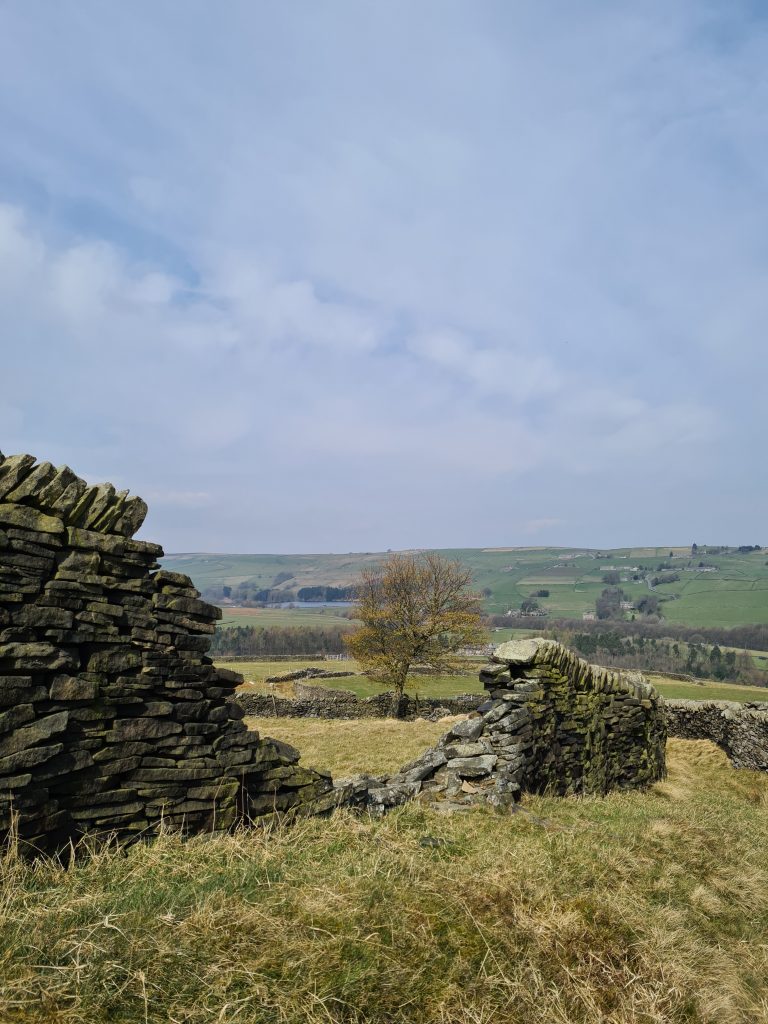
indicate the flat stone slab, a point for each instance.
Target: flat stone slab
{"x":518,"y":652}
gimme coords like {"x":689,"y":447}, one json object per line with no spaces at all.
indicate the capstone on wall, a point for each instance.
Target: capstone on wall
{"x":112,"y":716}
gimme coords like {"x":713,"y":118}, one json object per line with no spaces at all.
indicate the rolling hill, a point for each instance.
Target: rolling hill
{"x":729,"y":589}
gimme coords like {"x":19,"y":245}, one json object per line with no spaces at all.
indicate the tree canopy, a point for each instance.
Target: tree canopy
{"x":415,"y":610}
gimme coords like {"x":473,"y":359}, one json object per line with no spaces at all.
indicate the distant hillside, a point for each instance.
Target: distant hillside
{"x":726,"y":588}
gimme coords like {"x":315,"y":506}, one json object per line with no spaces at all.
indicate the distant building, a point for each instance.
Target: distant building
{"x":589,"y":616}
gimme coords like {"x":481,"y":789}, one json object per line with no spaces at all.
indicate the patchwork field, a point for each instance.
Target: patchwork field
{"x":638,"y":908}
{"x":734,"y":592}
{"x":324,"y":618}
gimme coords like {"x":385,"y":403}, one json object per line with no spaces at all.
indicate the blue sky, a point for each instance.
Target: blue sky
{"x":361,"y":275}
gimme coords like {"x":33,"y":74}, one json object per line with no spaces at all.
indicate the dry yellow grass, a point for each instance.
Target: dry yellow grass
{"x":379,"y":746}
{"x":640,"y":908}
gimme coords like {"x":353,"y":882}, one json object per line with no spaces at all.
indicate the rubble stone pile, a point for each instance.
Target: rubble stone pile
{"x":112,"y":717}
{"x":553,"y":724}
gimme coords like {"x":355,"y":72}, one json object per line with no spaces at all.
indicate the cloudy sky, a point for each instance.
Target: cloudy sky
{"x":368,"y":274}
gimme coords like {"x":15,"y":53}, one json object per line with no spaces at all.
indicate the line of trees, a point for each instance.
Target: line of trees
{"x":724,"y":549}
{"x":250,"y":595}
{"x":327,"y":593}
{"x":652,"y":655}
{"x":256,"y":641}
{"x":753,"y":637}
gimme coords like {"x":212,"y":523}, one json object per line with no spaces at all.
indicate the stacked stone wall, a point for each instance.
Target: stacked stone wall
{"x":112,"y":716}
{"x":741,"y":730}
{"x":323,"y":702}
{"x":553,"y":724}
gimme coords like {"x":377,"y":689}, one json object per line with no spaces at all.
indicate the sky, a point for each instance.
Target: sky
{"x":358,"y":275}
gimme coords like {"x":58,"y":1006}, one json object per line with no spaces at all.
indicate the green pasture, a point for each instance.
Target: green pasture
{"x":729,"y":602}
{"x":760,"y":658}
{"x":318,"y":618}
{"x":255,"y":673}
{"x":676,"y":689}
{"x":736,"y":594}
{"x":208,"y":569}
{"x":500,"y":634}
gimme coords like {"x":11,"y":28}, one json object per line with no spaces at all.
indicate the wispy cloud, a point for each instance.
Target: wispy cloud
{"x":390,"y":276}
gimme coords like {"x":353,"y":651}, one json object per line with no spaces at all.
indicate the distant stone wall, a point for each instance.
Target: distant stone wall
{"x":553,"y":724}
{"x":322,"y":702}
{"x":741,"y":730}
{"x":112,"y":717}
{"x":309,"y":673}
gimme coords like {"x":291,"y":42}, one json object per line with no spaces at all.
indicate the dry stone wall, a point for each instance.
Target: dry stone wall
{"x":322,"y":702}
{"x":553,"y":724}
{"x":112,"y":717}
{"x":741,"y":730}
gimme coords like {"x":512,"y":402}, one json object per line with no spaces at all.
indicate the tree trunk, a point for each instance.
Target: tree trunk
{"x":397,"y":698}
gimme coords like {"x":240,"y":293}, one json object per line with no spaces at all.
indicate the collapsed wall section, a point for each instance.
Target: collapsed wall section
{"x":112,"y":717}
{"x":553,"y":724}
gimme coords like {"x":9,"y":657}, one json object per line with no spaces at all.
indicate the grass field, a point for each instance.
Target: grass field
{"x":255,"y":672}
{"x":728,"y":602}
{"x":678,"y":689}
{"x":501,"y":634}
{"x":258,"y":671}
{"x":350,"y":747}
{"x":735,"y":593}
{"x":638,"y":908}
{"x":320,"y":618}
{"x":209,"y":569}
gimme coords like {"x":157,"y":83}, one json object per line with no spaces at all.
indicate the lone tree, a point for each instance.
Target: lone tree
{"x":415,"y":610}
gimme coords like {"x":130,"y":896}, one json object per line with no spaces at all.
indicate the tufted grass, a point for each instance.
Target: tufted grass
{"x":640,"y":908}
